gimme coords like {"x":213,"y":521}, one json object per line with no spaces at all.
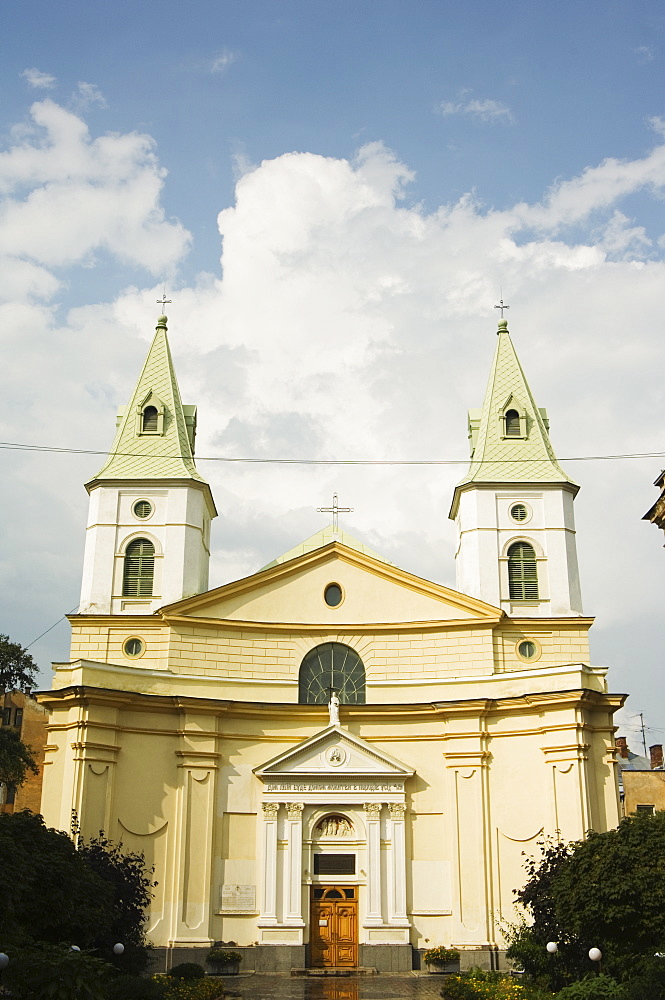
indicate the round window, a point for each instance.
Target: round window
{"x":143,"y":508}
{"x":519,"y":512}
{"x":333,"y":595}
{"x":527,"y":649}
{"x":133,"y":647}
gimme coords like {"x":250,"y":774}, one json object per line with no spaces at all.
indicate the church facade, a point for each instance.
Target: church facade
{"x":331,"y":762}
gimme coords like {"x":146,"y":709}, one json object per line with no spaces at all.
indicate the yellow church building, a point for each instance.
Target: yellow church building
{"x":331,"y":762}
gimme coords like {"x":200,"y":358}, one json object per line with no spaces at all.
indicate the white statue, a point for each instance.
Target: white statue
{"x":333,"y":708}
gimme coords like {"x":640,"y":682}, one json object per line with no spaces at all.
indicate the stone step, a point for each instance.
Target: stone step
{"x":337,"y":971}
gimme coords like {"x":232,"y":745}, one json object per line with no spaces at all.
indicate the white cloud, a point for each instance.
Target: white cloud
{"x":485,"y":111}
{"x":35,"y":78}
{"x":67,"y":195}
{"x":221,"y":62}
{"x":644,"y":53}
{"x":87,"y":95}
{"x":345,"y":324}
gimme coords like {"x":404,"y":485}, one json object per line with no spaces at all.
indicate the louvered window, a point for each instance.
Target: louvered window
{"x":512,"y":423}
{"x":150,"y":421}
{"x":522,"y":572}
{"x":329,"y":667}
{"x":139,"y":570}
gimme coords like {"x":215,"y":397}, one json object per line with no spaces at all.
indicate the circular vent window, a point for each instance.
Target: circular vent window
{"x":527,"y":649}
{"x":519,"y":512}
{"x":333,"y":595}
{"x":143,"y":508}
{"x":133,"y":647}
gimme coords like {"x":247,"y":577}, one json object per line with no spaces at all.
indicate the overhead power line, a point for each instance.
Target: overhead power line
{"x":53,"y":449}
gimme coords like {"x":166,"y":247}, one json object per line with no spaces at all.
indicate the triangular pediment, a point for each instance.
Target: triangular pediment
{"x":293,"y":593}
{"x":334,"y":753}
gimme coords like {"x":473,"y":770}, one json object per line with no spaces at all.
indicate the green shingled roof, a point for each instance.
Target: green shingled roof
{"x":165,"y":455}
{"x":496,"y":458}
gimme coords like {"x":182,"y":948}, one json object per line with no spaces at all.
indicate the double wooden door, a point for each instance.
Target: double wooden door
{"x":333,"y":938}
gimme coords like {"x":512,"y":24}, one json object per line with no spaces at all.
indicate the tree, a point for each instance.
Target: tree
{"x":131,"y":884}
{"x":16,"y":758}
{"x":607,"y":891}
{"x":49,"y":893}
{"x":17,"y":668}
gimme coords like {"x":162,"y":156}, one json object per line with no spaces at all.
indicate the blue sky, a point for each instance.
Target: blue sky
{"x":382,"y":170}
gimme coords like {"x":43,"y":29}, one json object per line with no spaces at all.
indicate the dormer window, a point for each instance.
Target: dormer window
{"x":150,"y":420}
{"x":513,"y":428}
{"x":150,"y":415}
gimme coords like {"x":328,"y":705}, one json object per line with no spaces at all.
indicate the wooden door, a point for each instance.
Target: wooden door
{"x":333,"y":937}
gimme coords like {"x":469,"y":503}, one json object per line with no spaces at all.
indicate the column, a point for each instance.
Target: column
{"x":269,"y":896}
{"x":373,"y":823}
{"x":397,"y":873}
{"x":294,"y":863}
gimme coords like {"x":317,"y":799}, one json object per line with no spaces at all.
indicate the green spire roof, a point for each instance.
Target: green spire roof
{"x":501,"y":457}
{"x":164,"y":452}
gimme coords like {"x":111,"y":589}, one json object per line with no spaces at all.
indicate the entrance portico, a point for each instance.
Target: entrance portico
{"x":333,"y":815}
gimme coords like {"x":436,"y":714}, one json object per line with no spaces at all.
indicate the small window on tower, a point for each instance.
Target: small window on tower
{"x":150,"y":422}
{"x":139,"y":569}
{"x":522,"y":572}
{"x":512,"y":424}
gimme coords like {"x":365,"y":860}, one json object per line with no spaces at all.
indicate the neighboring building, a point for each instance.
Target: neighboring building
{"x":29,"y":719}
{"x":201,"y":728}
{"x":641,"y":779}
{"x":657,"y":513}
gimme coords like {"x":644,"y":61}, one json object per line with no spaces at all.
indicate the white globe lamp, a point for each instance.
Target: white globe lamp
{"x":595,"y":954}
{"x":552,"y":947}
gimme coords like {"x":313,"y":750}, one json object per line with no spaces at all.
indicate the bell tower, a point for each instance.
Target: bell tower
{"x":514,"y":508}
{"x":148,"y":533}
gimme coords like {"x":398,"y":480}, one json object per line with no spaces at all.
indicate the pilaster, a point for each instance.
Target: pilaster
{"x":374,"y":915}
{"x":293,"y":914}
{"x":269,"y":895}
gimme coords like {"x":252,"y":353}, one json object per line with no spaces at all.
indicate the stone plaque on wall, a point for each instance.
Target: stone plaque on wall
{"x":237,"y":898}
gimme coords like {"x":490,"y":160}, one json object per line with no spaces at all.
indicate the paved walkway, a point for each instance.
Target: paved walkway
{"x":406,"y":986}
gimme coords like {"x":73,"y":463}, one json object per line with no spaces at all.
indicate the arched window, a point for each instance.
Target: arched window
{"x":150,"y":421}
{"x":522,"y":572}
{"x":139,"y":569}
{"x":331,"y":666}
{"x":512,"y":423}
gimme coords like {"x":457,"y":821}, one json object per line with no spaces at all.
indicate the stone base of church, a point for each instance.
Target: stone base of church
{"x":283,"y":957}
{"x":386,"y":957}
{"x":489,"y":958}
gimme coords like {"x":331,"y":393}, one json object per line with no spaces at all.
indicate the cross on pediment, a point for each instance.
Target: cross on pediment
{"x":335,"y":510}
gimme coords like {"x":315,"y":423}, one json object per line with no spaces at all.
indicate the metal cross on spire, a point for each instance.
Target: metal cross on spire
{"x":501,"y":306}
{"x":164,"y":301}
{"x":335,"y":511}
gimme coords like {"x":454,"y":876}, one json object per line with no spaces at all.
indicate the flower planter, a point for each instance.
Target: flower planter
{"x":231,"y":969}
{"x":442,"y":968}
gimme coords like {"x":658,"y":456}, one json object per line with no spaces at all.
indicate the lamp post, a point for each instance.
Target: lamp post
{"x":596,"y":955}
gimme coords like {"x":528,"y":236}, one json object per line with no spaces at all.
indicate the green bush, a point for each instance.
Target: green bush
{"x":187,"y":970}
{"x":593,"y":988}
{"x":42,"y":971}
{"x":190,"y":989}
{"x":222,"y":956}
{"x":134,"y":988}
{"x":441,"y":954}
{"x":478,"y":984}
